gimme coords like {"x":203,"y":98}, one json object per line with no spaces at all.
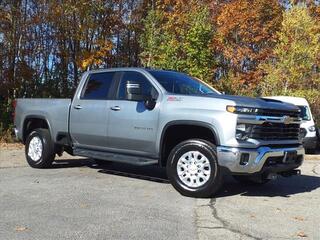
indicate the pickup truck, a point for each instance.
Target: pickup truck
{"x":143,"y":117}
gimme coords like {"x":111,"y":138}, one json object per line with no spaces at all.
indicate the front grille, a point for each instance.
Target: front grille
{"x":278,"y":113}
{"x":275,"y":131}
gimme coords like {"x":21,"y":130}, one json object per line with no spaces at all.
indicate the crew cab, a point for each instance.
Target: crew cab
{"x":144,"y":116}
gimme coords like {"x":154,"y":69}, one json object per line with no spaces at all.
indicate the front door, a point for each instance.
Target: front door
{"x":89,"y":111}
{"x":132,"y":127}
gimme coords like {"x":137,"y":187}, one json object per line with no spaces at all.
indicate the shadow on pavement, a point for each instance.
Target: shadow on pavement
{"x":149,"y":173}
{"x":283,"y":187}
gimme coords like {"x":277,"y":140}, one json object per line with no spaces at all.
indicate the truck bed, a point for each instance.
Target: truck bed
{"x":55,"y":111}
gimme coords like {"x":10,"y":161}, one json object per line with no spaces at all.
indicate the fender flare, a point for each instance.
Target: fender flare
{"x":34,"y":116}
{"x":186,"y":122}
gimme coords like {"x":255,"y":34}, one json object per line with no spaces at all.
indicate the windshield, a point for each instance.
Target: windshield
{"x":305,"y":114}
{"x":179,"y":83}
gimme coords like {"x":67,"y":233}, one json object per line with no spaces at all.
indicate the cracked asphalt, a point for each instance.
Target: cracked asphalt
{"x":78,"y":199}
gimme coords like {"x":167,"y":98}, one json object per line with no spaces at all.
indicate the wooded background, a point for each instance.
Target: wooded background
{"x":247,"y":47}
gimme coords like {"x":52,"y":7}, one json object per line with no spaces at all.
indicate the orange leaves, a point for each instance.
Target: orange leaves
{"x":245,"y":34}
{"x":96,"y":57}
{"x":244,"y":27}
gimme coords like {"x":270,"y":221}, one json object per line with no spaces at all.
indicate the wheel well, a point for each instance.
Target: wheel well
{"x":176,"y":134}
{"x":32,"y":123}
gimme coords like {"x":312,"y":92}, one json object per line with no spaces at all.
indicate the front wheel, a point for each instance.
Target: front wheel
{"x":39,"y":149}
{"x":193,"y":169}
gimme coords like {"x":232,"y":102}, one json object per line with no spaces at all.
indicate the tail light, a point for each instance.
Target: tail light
{"x":14,"y":104}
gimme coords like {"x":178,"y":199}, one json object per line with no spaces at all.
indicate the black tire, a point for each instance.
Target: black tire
{"x":248,"y":180}
{"x":212,"y":185}
{"x":47,"y":154}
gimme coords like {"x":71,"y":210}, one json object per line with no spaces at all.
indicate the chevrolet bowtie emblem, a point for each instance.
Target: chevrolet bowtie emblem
{"x":287,"y":120}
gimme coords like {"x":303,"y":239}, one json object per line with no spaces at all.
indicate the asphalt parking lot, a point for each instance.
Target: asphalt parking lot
{"x":78,"y":199}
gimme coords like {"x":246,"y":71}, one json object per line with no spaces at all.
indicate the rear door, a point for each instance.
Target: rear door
{"x":132,"y":127}
{"x":89,"y":111}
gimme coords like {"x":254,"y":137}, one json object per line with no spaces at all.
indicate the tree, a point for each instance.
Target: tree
{"x":178,"y":36}
{"x":46,"y":45}
{"x":295,"y":54}
{"x":294,"y":70}
{"x":83,"y":31}
{"x":152,"y":38}
{"x":245,"y":38}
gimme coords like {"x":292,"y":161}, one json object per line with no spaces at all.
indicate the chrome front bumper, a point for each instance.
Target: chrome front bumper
{"x":230,"y":157}
{"x":16,"y":133}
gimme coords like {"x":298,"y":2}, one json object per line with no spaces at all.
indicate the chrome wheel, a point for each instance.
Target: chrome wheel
{"x":35,"y":149}
{"x":194,"y":169}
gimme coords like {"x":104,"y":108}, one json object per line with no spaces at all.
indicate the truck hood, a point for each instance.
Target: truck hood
{"x":263,"y":103}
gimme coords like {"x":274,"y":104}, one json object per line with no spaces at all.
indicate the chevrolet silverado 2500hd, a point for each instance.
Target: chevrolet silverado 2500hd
{"x":142,"y":116}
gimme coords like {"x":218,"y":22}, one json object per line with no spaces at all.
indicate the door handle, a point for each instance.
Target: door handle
{"x":115,"y":108}
{"x":77,"y":107}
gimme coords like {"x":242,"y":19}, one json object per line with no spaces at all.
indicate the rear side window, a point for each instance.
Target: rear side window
{"x":98,"y":86}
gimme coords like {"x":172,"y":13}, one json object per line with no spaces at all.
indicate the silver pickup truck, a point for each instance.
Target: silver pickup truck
{"x":142,"y":116}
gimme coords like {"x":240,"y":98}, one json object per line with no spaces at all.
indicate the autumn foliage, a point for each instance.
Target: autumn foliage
{"x":246,"y":47}
{"x":245,"y":37}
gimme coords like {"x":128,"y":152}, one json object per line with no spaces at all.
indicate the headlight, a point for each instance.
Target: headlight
{"x":243,"y":110}
{"x":312,"y":128}
{"x":243,"y":131}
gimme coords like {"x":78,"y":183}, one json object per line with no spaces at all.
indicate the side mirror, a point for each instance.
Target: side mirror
{"x":133,"y":91}
{"x":150,"y":103}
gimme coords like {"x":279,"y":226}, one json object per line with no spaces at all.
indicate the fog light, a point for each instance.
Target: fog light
{"x":243,"y":131}
{"x":244,"y":159}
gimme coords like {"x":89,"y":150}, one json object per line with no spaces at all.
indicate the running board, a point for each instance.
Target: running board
{"x":115,"y":157}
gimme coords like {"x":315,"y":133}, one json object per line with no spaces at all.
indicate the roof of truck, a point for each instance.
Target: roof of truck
{"x":131,"y":68}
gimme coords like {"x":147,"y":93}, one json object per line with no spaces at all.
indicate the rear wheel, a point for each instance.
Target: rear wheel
{"x":39,"y":149}
{"x":193,"y":169}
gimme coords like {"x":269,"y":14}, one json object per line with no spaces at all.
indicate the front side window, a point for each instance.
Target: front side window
{"x":146,"y":87}
{"x":98,"y":86}
{"x":179,"y":83}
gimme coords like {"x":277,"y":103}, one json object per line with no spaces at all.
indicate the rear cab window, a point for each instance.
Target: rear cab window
{"x":98,"y":86}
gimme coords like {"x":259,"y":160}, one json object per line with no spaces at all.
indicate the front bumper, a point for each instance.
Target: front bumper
{"x":16,"y":133}
{"x":258,"y":159}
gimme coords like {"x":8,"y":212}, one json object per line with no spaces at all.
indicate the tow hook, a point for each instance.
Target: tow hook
{"x":291,"y":173}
